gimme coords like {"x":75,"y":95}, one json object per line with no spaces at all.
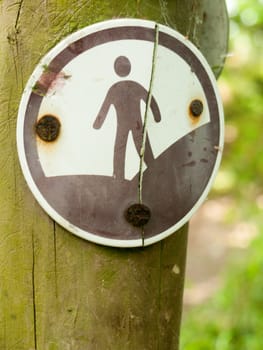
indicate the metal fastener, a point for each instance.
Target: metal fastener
{"x":48,"y":128}
{"x":138,"y":215}
{"x":196,"y":108}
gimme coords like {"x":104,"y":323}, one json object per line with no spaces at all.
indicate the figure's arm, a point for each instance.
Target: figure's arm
{"x":103,"y":112}
{"x":154,"y":106}
{"x":155,"y":110}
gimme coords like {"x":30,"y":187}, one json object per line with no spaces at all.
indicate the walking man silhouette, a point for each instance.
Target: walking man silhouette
{"x":126,"y":96}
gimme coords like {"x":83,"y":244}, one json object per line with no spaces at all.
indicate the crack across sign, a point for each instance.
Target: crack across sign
{"x":145,"y":124}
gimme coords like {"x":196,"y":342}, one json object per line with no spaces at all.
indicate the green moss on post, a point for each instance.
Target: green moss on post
{"x":58,"y":292}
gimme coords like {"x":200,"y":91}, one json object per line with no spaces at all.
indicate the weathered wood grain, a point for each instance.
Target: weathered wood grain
{"x":58,"y":292}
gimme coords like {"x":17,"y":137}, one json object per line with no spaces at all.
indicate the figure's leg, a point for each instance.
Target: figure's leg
{"x":119,"y":154}
{"x":148,"y":155}
{"x":137,"y":139}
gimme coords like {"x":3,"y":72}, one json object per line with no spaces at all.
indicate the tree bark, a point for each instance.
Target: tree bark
{"x":58,"y":292}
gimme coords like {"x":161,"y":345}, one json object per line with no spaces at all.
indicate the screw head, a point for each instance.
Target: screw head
{"x":196,"y":108}
{"x":48,"y":128}
{"x":138,"y":215}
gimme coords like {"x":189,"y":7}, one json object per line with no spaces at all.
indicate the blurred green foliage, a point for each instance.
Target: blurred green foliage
{"x":247,"y":14}
{"x":233,"y":318}
{"x":242,"y":89}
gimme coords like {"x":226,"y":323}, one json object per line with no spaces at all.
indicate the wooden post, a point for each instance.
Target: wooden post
{"x":58,"y":292}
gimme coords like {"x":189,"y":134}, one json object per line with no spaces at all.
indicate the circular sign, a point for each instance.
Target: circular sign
{"x":120,"y":132}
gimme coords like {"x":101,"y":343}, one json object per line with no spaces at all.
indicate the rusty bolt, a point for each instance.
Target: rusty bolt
{"x":48,"y":128}
{"x":138,"y":215}
{"x":196,"y":108}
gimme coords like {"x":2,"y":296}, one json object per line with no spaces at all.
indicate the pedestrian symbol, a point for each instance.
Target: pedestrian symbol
{"x":126,"y":96}
{"x":93,"y":162}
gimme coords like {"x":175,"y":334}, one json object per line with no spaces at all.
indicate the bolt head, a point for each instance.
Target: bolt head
{"x":48,"y":128}
{"x":138,"y":215}
{"x":196,"y":108}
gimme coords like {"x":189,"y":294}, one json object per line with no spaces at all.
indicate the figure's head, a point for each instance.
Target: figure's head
{"x":122,"y":66}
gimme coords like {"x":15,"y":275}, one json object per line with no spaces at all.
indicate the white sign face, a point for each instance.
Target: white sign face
{"x":120,"y":113}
